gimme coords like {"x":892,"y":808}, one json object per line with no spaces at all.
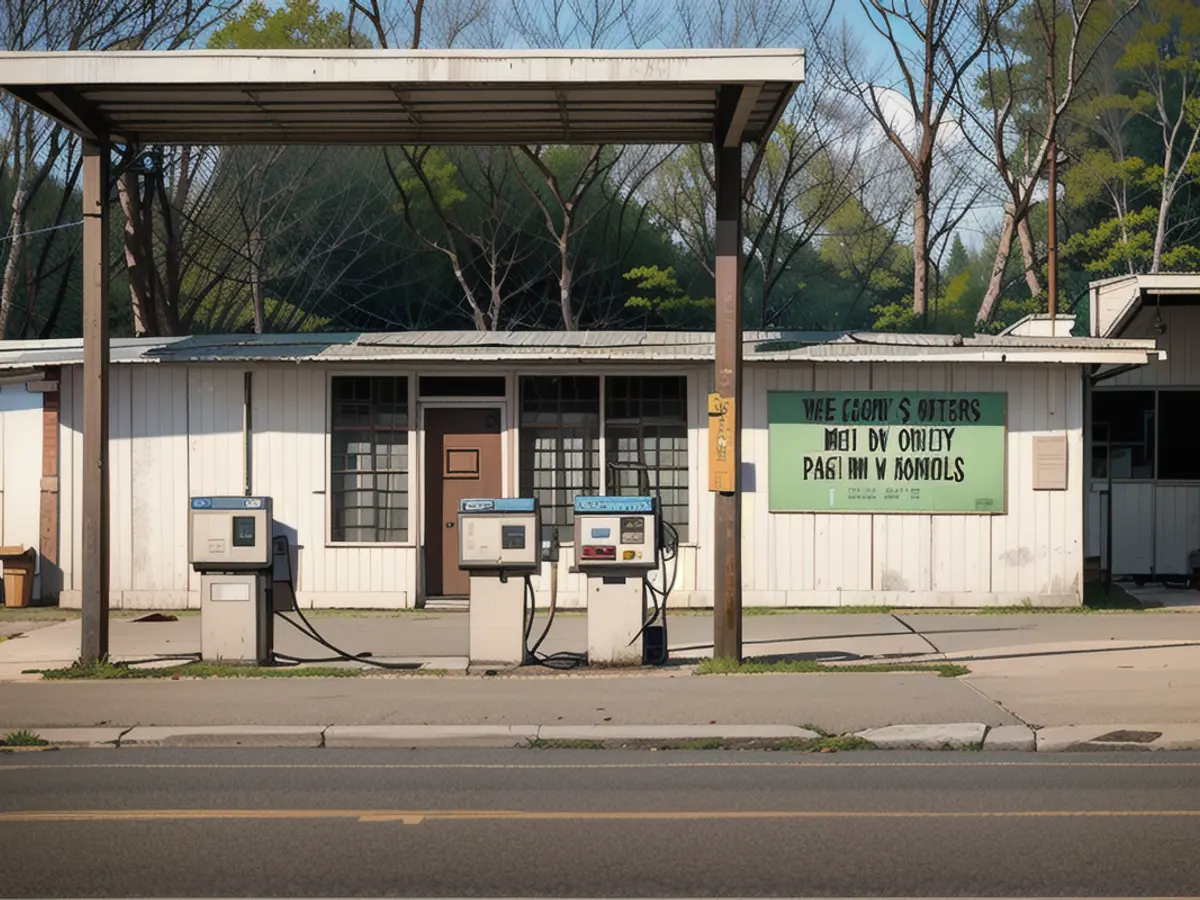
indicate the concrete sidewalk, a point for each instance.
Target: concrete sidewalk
{"x":1038,"y":670}
{"x":837,"y":702}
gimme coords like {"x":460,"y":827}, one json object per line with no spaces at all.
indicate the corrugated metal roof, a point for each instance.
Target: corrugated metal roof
{"x":369,"y":97}
{"x":592,"y":346}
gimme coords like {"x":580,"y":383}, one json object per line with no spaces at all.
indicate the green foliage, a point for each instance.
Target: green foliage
{"x":298,"y":24}
{"x":810,"y":666}
{"x":109,"y":671}
{"x":432,"y":167}
{"x":659,"y":295}
{"x":24,"y":738}
{"x":897,"y":316}
{"x":343,"y":252}
{"x":1115,"y":245}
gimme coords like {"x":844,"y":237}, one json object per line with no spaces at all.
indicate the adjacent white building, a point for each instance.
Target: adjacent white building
{"x":365,"y":442}
{"x":1143,"y":430}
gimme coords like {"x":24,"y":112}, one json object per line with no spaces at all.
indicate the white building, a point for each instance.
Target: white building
{"x":1144,"y":426}
{"x":366,"y":442}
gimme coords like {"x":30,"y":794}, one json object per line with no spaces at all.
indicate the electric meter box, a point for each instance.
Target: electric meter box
{"x":229,"y":534}
{"x":613,"y":533}
{"x":500,"y":535}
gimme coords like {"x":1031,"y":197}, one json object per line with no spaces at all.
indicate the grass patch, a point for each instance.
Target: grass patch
{"x":36,"y":614}
{"x":108,"y":671}
{"x":827,"y":743}
{"x":1095,"y":600}
{"x":24,"y":738}
{"x":810,"y":666}
{"x":552,"y":744}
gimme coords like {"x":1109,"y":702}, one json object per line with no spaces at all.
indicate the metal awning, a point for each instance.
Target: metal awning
{"x":361,"y":97}
{"x":356,"y":97}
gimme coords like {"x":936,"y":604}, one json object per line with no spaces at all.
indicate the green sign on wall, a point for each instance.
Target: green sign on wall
{"x":886,"y":452}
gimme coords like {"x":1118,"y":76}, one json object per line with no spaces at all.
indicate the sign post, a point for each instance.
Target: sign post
{"x":886,"y":452}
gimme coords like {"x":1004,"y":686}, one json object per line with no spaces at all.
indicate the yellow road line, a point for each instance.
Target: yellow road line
{"x":778,"y":764}
{"x":415,"y":817}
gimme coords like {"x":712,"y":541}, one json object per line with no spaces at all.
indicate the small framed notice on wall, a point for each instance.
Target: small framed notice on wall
{"x":1050,"y":462}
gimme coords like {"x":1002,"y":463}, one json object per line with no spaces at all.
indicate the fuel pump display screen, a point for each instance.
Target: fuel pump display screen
{"x":512,"y":537}
{"x":243,"y":531}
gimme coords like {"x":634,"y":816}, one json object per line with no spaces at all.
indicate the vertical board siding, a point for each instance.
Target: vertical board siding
{"x":177,"y":432}
{"x":70,"y":476}
{"x":216,"y":454}
{"x":1035,"y":548}
{"x":158,"y":496}
{"x":1176,"y":527}
{"x":289,"y":463}
{"x":21,"y":453}
{"x":1181,"y":340}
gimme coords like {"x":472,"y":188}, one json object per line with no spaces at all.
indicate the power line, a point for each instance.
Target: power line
{"x":11,"y":237}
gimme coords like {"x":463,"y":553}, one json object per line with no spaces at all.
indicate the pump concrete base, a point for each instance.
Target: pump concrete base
{"x":235,"y":618}
{"x":616,"y":609}
{"x":497,"y":620}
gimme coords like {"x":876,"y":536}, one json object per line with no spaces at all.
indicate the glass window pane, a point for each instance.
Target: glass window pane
{"x":369,"y":459}
{"x":559,"y":446}
{"x":1178,"y":435}
{"x":1123,"y":421}
{"x":646,"y":431}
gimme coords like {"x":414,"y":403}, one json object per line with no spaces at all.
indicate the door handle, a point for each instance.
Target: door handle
{"x":450,"y":524}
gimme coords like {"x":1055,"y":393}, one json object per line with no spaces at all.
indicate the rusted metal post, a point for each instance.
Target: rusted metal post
{"x":94,"y":643}
{"x":727,"y":543}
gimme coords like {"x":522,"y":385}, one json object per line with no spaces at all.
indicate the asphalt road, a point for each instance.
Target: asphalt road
{"x":229,"y":823}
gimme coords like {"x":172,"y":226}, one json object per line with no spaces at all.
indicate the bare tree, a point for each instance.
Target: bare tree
{"x":35,"y":146}
{"x":1163,"y":60}
{"x":736,"y":23}
{"x":934,"y":46}
{"x":414,"y":24}
{"x":571,"y":188}
{"x":486,"y":245}
{"x":1022,"y":117}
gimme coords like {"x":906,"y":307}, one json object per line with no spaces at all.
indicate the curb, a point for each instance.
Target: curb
{"x":944,"y":736}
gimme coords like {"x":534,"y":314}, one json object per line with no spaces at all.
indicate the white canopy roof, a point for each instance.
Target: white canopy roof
{"x":410,"y":97}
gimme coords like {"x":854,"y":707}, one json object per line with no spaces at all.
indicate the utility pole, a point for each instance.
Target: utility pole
{"x":727,"y":380}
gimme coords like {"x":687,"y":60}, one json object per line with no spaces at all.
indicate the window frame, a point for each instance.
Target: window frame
{"x":640,"y":427}
{"x":691,"y":376}
{"x":414,"y":467}
{"x":1093,"y":444}
{"x":597,"y":448}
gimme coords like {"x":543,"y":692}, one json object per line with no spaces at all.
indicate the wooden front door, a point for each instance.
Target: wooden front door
{"x":462,"y":460}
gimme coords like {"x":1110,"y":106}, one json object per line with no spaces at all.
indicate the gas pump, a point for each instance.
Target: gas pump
{"x":616,"y":547}
{"x":499,"y":546}
{"x":229,"y":541}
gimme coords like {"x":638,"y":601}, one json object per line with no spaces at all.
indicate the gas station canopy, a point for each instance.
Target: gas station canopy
{"x":358,"y":97}
{"x":361,"y":97}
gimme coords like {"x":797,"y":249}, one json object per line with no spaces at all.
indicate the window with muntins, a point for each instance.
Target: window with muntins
{"x":368,"y":487}
{"x":645,"y":424}
{"x":560,"y":446}
{"x":1123,"y":434}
